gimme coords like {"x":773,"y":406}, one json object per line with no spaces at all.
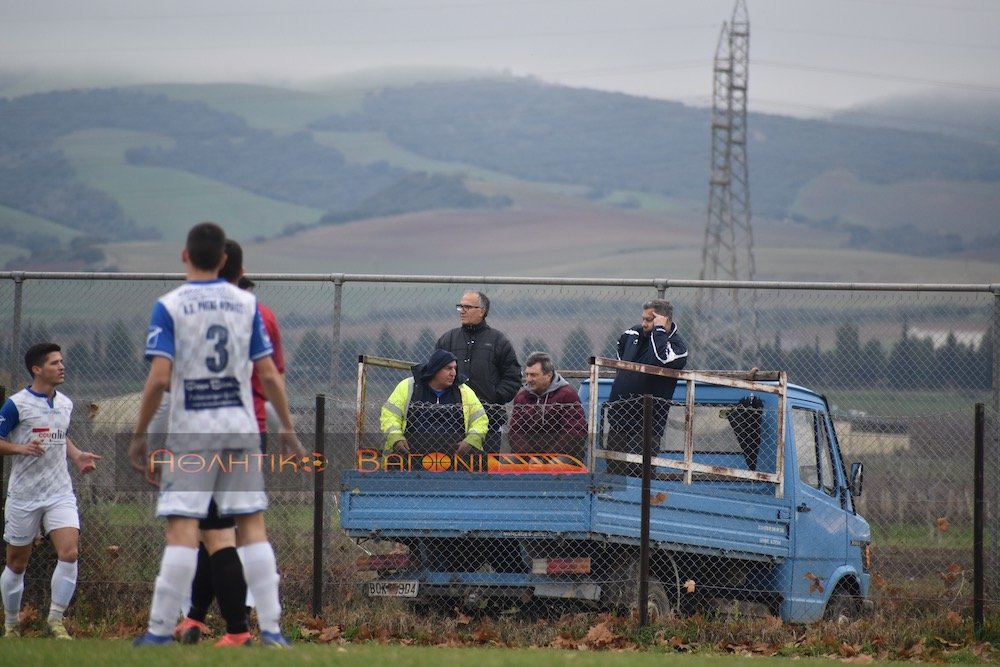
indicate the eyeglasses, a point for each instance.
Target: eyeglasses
{"x":461,"y":307}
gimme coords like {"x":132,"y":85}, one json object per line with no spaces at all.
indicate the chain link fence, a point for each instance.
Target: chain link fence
{"x":902,"y":367}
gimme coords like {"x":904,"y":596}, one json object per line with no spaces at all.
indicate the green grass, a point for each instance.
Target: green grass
{"x":903,"y":403}
{"x":30,"y":651}
{"x":920,"y":537}
{"x":170,"y":200}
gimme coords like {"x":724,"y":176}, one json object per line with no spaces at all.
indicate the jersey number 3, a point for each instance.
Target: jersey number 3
{"x":220,"y":335}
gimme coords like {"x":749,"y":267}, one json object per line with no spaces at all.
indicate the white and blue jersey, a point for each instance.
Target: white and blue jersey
{"x":212,"y":333}
{"x":28,"y":416}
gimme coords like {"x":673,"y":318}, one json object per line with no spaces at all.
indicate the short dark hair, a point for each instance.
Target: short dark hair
{"x":543,"y":358}
{"x":660,"y":307}
{"x":233,"y":267}
{"x":206,"y":243}
{"x":36,"y":355}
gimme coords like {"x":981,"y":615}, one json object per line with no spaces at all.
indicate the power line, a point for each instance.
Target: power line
{"x":881,"y":76}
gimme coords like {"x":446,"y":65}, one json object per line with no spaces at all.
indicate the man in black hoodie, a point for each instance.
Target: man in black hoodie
{"x":487,"y":358}
{"x":655,"y":342}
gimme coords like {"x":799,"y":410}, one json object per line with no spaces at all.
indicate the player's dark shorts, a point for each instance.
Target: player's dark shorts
{"x":215,"y":522}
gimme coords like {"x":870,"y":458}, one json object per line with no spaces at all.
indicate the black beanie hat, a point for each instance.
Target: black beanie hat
{"x":439,"y":359}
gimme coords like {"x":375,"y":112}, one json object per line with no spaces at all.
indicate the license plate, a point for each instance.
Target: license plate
{"x":393,"y":589}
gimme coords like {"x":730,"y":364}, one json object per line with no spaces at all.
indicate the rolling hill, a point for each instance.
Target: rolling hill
{"x":476,"y":176}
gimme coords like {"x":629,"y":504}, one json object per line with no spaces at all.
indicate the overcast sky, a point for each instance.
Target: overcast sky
{"x":808,"y":57}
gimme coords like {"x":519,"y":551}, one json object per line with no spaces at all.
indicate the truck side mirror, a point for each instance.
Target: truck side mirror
{"x":857,"y":478}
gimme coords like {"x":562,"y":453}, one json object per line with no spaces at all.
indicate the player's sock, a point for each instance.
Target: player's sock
{"x":202,"y":587}
{"x":261,"y":571}
{"x":227,"y":573}
{"x":176,"y":572}
{"x":11,"y":588}
{"x":63,"y":586}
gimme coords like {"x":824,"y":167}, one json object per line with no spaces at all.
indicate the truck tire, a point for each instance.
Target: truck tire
{"x":658,"y":605}
{"x":842,"y":606}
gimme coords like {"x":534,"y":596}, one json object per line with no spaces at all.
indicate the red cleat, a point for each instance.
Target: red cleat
{"x":190,"y":631}
{"x":239,"y":639}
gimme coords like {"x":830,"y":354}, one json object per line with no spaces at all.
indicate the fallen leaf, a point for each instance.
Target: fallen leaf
{"x":113,"y":551}
{"x":658,"y":499}
{"x":330,"y":634}
{"x":689,"y":585}
{"x":678,"y":644}
{"x":946,"y":643}
{"x":599,"y":636}
{"x":849,"y":650}
{"x":462,"y":619}
{"x":954,"y":619}
{"x":942,"y":524}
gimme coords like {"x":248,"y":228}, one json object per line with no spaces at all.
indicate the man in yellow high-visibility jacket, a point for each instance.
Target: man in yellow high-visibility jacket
{"x":434,"y":411}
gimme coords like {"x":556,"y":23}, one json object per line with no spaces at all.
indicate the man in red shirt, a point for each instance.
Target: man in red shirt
{"x":271,"y":324}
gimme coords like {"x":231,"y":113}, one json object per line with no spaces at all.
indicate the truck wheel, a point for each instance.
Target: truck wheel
{"x":842,"y":606}
{"x":658,"y":606}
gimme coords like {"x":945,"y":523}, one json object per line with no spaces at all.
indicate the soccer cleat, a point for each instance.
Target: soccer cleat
{"x":58,"y":630}
{"x":190,"y":631}
{"x":235,"y":639}
{"x":274,"y":640}
{"x":149,"y":639}
{"x":12,"y":632}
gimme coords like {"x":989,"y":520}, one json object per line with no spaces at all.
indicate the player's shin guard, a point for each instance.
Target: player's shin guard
{"x":63,"y":587}
{"x":176,"y":572}
{"x":261,"y":571}
{"x":11,"y":587}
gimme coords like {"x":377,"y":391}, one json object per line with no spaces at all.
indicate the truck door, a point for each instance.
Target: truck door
{"x":820,"y":523}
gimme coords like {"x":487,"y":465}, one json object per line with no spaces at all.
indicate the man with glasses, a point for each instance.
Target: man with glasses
{"x":487,"y":358}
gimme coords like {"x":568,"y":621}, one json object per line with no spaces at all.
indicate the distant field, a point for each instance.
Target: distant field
{"x":276,"y":109}
{"x":927,"y":205}
{"x":170,"y":200}
{"x":11,"y":219}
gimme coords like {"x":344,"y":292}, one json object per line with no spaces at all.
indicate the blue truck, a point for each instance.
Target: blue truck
{"x":750,"y":503}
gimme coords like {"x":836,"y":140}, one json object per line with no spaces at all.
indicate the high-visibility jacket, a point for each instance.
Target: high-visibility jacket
{"x":393,"y":416}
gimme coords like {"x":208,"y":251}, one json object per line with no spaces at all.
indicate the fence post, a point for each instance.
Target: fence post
{"x":978,"y":572}
{"x":647,"y":455}
{"x":319,"y":453}
{"x":340,"y":420}
{"x":15,"y":327}
{"x":994,"y":564}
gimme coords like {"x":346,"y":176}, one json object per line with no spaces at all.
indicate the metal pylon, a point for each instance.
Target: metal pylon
{"x":726,"y":319}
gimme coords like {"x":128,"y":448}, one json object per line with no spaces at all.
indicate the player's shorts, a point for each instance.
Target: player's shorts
{"x":23,"y":519}
{"x":233,"y":478}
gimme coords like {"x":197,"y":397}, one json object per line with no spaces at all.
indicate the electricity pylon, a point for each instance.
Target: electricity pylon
{"x":726,"y":319}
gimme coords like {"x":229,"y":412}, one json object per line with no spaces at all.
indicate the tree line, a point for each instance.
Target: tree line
{"x":112,"y":356}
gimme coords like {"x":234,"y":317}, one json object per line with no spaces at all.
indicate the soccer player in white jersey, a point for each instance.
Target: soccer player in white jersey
{"x":205,"y":339}
{"x":34,"y":426}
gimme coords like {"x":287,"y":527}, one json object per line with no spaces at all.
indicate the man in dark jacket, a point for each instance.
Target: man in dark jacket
{"x":487,"y":358}
{"x":547,"y":416}
{"x":655,"y":342}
